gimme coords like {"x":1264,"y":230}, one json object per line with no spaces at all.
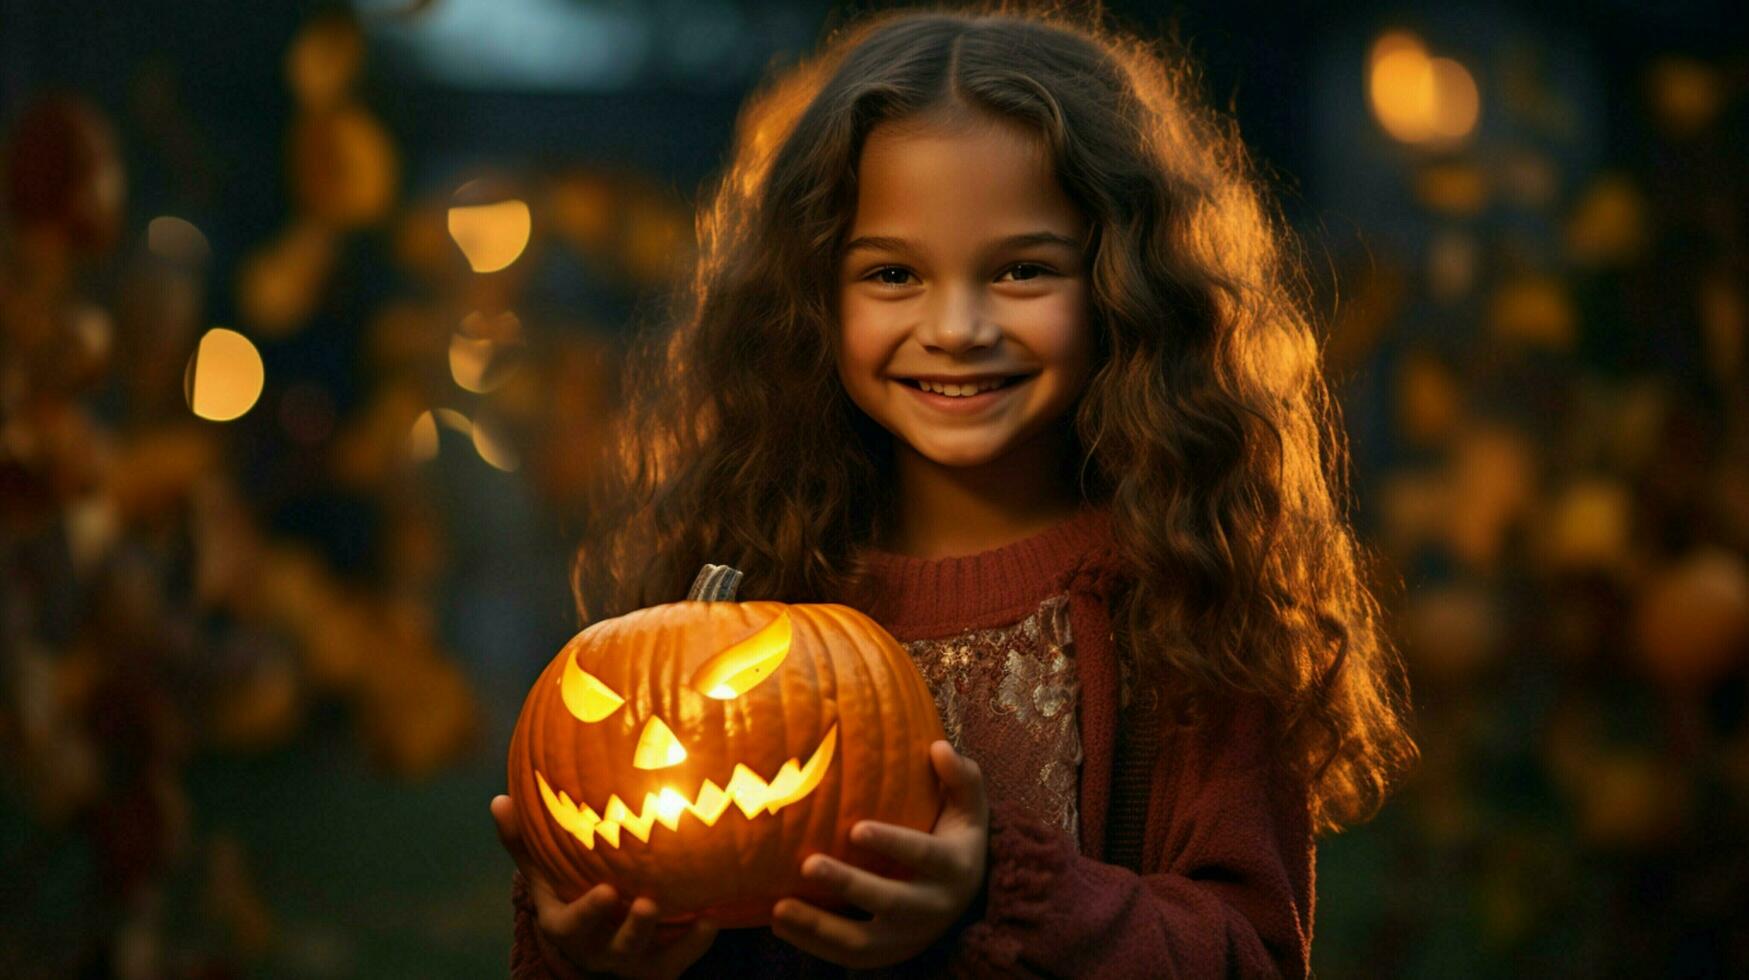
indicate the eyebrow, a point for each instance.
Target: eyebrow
{"x":890,"y":244}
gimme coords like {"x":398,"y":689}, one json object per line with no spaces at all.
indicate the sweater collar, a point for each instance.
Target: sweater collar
{"x":921,"y":598}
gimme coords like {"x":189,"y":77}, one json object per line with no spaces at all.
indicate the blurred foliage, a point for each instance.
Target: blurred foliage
{"x":247,"y":681}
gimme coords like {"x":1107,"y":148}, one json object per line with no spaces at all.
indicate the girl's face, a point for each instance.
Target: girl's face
{"x":962,"y":292}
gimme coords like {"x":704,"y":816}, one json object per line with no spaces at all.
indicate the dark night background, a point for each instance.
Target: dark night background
{"x":257,"y":677}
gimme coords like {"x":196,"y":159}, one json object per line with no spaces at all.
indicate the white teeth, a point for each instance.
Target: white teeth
{"x":960,"y":391}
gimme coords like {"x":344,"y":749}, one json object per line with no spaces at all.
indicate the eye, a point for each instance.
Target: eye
{"x":657,"y":747}
{"x":736,"y":670}
{"x":901,"y":271}
{"x":587,"y":698}
{"x":1038,"y":270}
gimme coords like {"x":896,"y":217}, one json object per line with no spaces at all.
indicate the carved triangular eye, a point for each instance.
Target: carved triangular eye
{"x":587,"y":698}
{"x":736,"y":670}
{"x":657,"y":747}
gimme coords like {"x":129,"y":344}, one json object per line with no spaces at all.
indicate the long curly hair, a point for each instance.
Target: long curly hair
{"x":1207,"y":428}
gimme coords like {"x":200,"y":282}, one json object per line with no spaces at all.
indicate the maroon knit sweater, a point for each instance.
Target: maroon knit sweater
{"x":1196,"y":855}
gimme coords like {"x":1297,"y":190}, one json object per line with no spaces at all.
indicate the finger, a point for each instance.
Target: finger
{"x":821,"y":933}
{"x":923,"y":853}
{"x":865,"y":890}
{"x":509,"y":834}
{"x":962,"y":782}
{"x":632,"y":939}
{"x":582,"y":922}
{"x":686,"y":950}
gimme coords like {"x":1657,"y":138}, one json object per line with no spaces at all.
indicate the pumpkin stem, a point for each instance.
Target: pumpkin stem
{"x":715,"y":583}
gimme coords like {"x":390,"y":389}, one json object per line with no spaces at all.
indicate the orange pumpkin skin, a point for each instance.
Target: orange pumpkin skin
{"x":845,"y":690}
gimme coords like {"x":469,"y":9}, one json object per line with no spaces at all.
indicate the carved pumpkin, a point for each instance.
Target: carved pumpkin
{"x":696,"y":752}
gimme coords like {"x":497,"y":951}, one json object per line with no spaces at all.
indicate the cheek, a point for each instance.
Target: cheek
{"x":1057,"y":330}
{"x":865,"y":347}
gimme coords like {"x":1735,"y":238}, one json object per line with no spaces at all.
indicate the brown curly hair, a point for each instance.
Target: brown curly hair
{"x":1207,"y":427}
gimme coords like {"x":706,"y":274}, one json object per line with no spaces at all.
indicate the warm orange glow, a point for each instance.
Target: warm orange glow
{"x":657,"y":747}
{"x":422,"y":441}
{"x":588,"y":699}
{"x":468,"y":361}
{"x":1417,"y":98}
{"x":323,"y":60}
{"x":746,"y":792}
{"x":494,"y":447}
{"x":345,"y":167}
{"x":1535,"y":310}
{"x":1457,"y":103}
{"x":736,"y":670}
{"x":455,"y":420}
{"x":1401,"y":86}
{"x":492,"y":236}
{"x":1686,"y":94}
{"x":224,"y":377}
{"x":1453,"y":188}
{"x":177,"y":240}
{"x":503,"y":327}
{"x":1608,"y":224}
{"x":279,"y":283}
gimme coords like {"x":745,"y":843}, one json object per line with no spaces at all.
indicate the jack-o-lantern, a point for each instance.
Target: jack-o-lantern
{"x":696,"y":752}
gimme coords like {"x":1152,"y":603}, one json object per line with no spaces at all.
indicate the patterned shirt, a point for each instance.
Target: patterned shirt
{"x":1008,"y":697}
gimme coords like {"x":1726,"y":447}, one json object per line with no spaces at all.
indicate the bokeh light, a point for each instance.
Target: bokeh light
{"x":323,"y":60}
{"x":345,"y":167}
{"x":177,"y":240}
{"x":469,"y":360}
{"x":1537,"y":316}
{"x":1418,"y":98}
{"x":279,"y":284}
{"x":422,"y":440}
{"x":492,"y":235}
{"x":225,"y":376}
{"x":1456,"y":102}
{"x":494,"y":446}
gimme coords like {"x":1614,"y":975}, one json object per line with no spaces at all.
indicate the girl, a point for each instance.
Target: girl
{"x":992,"y":338}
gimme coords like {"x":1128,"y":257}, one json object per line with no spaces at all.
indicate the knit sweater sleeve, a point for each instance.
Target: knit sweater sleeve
{"x":1227,"y":893}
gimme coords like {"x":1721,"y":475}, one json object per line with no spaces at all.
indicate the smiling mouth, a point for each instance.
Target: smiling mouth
{"x":747,"y":792}
{"x":963,"y":390}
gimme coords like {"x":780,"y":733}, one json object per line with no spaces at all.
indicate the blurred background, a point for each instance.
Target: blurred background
{"x":308,"y":314}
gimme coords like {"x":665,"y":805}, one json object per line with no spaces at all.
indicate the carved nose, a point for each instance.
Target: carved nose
{"x":657,"y":747}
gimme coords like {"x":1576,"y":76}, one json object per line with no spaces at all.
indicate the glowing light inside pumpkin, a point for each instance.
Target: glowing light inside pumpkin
{"x":657,"y":747}
{"x":746,"y":791}
{"x":587,"y":698}
{"x":736,"y":670}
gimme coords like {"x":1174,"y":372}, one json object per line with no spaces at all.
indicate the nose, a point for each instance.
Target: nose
{"x":957,"y":323}
{"x":657,"y":747}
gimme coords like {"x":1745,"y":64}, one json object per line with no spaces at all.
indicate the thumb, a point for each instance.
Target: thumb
{"x":962,"y":782}
{"x":510,"y":835}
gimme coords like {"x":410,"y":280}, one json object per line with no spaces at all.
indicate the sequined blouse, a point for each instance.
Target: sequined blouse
{"x":1006,"y":683}
{"x":1007,"y":697}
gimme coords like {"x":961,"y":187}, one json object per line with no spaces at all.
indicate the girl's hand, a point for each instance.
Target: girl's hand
{"x":907,"y":915}
{"x":589,"y":934}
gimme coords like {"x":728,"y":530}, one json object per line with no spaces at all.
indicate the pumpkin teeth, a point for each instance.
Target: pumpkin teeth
{"x":746,"y":791}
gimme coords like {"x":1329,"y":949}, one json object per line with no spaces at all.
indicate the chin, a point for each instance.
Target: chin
{"x":961,"y":456}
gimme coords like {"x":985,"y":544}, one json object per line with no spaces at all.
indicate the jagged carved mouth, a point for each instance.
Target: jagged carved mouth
{"x":747,"y":791}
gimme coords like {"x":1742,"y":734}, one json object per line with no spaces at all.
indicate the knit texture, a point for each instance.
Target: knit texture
{"x":1204,"y":869}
